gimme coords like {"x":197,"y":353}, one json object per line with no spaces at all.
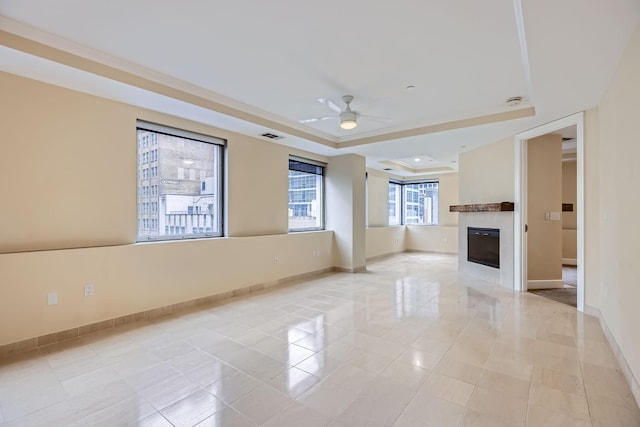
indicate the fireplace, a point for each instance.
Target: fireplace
{"x":483,"y":246}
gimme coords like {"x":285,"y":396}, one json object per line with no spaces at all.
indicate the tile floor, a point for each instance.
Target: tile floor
{"x":408,"y":343}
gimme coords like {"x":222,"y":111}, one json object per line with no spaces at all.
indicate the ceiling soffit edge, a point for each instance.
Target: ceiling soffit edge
{"x":183,"y":91}
{"x":419,"y":171}
{"x":443,"y":127}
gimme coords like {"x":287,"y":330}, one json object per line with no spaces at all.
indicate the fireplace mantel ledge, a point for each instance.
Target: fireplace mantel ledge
{"x":484,"y":207}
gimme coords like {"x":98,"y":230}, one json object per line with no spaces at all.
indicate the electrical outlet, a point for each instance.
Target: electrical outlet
{"x":52,"y":298}
{"x":88,"y":290}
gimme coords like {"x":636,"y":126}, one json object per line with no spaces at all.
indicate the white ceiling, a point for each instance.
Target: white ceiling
{"x":262,"y":65}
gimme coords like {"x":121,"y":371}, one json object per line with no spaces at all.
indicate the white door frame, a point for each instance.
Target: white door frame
{"x":520,"y":214}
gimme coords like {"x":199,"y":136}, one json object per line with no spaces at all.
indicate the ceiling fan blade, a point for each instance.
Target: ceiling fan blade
{"x":329,"y":103}
{"x":376,"y":118}
{"x":317,"y":119}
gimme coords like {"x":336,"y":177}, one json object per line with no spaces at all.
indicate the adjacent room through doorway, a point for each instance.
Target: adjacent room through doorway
{"x":552,"y":215}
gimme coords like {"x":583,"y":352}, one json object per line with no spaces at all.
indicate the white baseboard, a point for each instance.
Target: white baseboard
{"x":617,"y":352}
{"x":569,"y":261}
{"x":544,"y":284}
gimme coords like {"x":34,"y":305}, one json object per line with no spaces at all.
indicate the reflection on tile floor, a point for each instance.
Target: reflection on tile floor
{"x":408,"y":343}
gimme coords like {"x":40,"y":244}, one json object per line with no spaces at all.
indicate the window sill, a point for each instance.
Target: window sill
{"x":188,"y":239}
{"x":306,"y":230}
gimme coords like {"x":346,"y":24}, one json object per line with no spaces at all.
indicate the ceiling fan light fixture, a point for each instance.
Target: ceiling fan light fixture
{"x":348,"y":124}
{"x":348,"y":120}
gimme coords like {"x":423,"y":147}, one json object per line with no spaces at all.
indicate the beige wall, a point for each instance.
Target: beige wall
{"x":570,"y":247}
{"x":257,"y":188}
{"x":544,"y":196}
{"x":448,"y":194}
{"x":69,"y":163}
{"x":569,"y":219}
{"x":432,"y":239}
{"x":570,"y":194}
{"x":619,"y":204}
{"x":486,"y":173}
{"x":377,"y":198}
{"x":385,"y":241}
{"x":133,"y":278}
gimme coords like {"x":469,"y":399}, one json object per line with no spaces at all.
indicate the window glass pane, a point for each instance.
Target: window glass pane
{"x":179,"y":205}
{"x":305,"y":196}
{"x":395,"y":200}
{"x":421,"y":203}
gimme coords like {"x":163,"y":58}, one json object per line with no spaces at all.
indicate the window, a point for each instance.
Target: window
{"x":306,"y":195}
{"x":165,"y":198}
{"x":413,"y":202}
{"x":420,"y":203}
{"x":395,"y":203}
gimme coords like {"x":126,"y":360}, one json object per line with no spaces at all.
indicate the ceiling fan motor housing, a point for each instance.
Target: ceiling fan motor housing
{"x":348,"y":116}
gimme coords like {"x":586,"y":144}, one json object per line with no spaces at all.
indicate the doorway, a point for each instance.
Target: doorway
{"x":521,"y":279}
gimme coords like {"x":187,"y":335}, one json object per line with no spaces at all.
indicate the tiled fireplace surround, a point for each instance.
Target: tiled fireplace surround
{"x":500,"y":220}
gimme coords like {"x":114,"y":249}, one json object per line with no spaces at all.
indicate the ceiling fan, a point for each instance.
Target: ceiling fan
{"x":348,"y":117}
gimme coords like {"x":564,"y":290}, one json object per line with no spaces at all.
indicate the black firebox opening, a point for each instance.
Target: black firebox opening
{"x":483,"y":246}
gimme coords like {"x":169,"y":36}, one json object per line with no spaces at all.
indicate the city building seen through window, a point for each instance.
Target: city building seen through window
{"x":179,"y":184}
{"x":306,"y":194}
{"x":416,"y":202}
{"x":395,"y":203}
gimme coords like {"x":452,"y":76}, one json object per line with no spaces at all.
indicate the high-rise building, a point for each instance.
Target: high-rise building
{"x":176,"y":186}
{"x":421,"y":206}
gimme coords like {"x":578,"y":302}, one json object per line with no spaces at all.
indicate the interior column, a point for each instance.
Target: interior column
{"x":345,"y":196}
